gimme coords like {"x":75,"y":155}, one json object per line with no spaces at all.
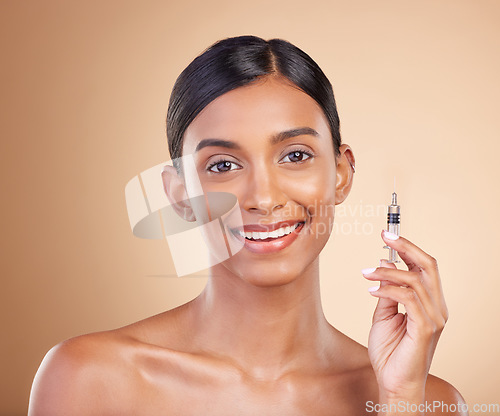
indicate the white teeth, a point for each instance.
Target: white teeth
{"x":274,"y":234}
{"x":259,"y":235}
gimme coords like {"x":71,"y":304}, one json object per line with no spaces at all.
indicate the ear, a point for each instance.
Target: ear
{"x":175,"y":189}
{"x":345,"y":173}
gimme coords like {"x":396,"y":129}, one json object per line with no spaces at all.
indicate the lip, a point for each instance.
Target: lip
{"x":274,"y":245}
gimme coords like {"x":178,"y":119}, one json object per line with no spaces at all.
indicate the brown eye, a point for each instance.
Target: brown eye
{"x":222,"y":166}
{"x":296,"y":156}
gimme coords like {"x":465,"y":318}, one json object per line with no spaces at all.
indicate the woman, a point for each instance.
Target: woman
{"x":260,"y":121}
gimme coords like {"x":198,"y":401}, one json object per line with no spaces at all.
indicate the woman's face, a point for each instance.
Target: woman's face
{"x":270,"y":145}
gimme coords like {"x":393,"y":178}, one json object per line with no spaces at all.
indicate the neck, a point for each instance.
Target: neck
{"x":265,"y":331}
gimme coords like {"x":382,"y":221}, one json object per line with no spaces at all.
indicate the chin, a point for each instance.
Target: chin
{"x":269,"y":280}
{"x":271,"y":273}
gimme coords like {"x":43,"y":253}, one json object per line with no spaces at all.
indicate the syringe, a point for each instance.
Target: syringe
{"x":393,"y":223}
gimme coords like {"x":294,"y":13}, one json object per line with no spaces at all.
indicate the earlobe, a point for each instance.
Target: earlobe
{"x":175,"y":190}
{"x":345,"y":173}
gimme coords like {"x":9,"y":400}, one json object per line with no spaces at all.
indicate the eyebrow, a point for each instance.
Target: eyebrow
{"x":277,"y":138}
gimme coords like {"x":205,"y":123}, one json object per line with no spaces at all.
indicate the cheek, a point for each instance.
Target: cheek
{"x":313,"y":187}
{"x":316,"y":194}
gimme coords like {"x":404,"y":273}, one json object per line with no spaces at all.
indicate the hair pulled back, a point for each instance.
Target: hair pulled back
{"x":234,"y":62}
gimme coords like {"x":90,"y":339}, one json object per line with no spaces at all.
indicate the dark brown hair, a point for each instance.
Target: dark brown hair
{"x":233,"y":62}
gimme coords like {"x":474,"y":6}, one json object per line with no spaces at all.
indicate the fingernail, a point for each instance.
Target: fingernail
{"x":373,"y":289}
{"x":390,"y":236}
{"x":369,"y":270}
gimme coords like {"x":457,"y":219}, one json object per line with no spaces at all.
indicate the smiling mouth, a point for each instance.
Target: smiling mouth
{"x":266,"y":236}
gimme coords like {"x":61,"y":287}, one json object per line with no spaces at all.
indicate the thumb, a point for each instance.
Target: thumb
{"x":386,"y":308}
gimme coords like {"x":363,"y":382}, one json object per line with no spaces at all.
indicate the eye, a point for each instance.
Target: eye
{"x":297,"y":156}
{"x":222,"y":166}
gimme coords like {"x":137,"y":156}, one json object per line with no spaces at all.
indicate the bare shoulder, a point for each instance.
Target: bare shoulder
{"x":109,"y":371}
{"x":445,"y":399}
{"x":83,"y":375}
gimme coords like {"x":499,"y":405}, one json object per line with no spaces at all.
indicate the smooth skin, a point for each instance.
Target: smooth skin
{"x":256,"y":341}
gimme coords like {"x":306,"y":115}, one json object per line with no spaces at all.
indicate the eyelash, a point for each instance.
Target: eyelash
{"x":216,"y":163}
{"x":221,"y":160}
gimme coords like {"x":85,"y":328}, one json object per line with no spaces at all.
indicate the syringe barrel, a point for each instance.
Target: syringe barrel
{"x":393,"y":224}
{"x":393,"y":218}
{"x":393,"y":228}
{"x":394,"y":210}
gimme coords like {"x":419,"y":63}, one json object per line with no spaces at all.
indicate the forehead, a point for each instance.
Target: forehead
{"x":258,"y":110}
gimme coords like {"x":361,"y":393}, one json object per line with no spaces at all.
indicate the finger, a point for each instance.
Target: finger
{"x":413,"y":280}
{"x":396,"y":277}
{"x":411,"y":254}
{"x":387,"y":264}
{"x":414,"y":308}
{"x":386,"y":308}
{"x":416,"y":259}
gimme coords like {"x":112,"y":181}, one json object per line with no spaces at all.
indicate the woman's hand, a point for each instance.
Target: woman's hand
{"x":401,"y":346}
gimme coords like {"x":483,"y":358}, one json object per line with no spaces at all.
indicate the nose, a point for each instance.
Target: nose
{"x":263,"y":193}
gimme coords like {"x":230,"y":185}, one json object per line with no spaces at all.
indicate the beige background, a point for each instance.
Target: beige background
{"x":85,"y":87}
